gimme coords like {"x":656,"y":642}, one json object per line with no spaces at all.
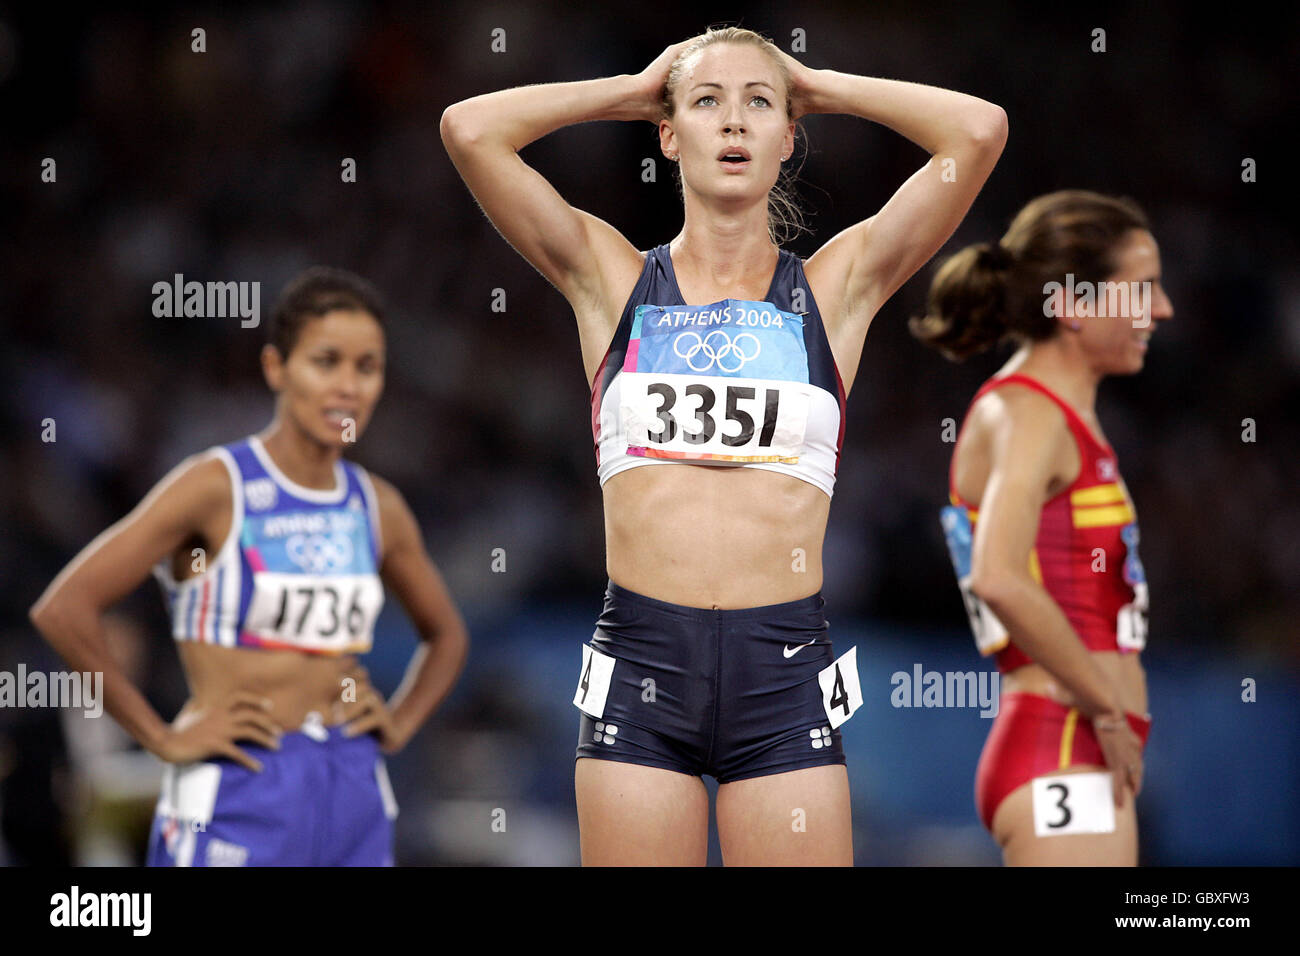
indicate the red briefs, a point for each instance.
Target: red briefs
{"x":1033,"y":736}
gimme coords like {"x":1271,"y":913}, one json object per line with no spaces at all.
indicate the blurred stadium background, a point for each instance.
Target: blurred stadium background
{"x":225,"y":165}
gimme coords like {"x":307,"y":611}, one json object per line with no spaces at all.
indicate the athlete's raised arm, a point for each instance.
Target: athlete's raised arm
{"x":409,"y":572}
{"x":1026,"y":440}
{"x":867,"y":263}
{"x":69,"y":615}
{"x":483,"y":136}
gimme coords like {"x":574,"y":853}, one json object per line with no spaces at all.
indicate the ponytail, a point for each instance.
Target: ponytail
{"x":967,"y":310}
{"x":992,"y":291}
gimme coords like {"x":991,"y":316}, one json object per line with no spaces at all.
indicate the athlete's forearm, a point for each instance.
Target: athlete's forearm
{"x":430,"y":676}
{"x":524,"y":114}
{"x":76,"y":633}
{"x":1041,"y":630}
{"x":938,"y":120}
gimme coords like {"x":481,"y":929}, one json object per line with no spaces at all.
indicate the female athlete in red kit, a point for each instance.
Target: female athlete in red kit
{"x":1041,"y":528}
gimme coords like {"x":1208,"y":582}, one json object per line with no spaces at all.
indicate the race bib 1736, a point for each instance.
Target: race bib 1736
{"x":315,"y":585}
{"x":727,"y":381}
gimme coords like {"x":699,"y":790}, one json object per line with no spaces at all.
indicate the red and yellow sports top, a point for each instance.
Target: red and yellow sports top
{"x":1085,"y":554}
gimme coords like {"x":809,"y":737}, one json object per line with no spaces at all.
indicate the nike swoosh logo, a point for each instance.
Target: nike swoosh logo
{"x":792,"y":653}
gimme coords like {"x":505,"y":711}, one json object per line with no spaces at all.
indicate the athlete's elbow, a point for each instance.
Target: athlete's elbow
{"x":995,"y":586}
{"x":458,"y":128}
{"x":452,"y":126}
{"x":455,"y":640}
{"x":62,"y":617}
{"x":448,"y":637}
{"x":985,"y":134}
{"x":49,"y":616}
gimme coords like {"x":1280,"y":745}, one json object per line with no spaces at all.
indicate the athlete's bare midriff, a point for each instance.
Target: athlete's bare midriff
{"x":1123,"y":671}
{"x":296,"y":683}
{"x":714,"y":536}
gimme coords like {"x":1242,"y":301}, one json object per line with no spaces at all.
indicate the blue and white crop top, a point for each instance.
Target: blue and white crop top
{"x":734,"y":383}
{"x":298,"y":570}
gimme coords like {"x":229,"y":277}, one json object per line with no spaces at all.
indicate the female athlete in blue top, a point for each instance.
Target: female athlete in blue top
{"x":271,"y":552}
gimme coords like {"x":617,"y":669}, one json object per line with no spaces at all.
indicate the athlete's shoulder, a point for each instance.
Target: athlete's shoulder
{"x":1020,"y":419}
{"x":194,"y":490}
{"x":203,"y":474}
{"x":397,"y":522}
{"x":1019,"y":401}
{"x":386,"y":493}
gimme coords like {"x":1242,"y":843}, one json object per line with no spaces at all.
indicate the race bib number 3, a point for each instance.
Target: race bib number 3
{"x":1073,"y":803}
{"x":727,"y":381}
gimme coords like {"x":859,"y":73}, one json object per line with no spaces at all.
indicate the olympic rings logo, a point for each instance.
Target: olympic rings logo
{"x":317,"y":553}
{"x":716,"y":346}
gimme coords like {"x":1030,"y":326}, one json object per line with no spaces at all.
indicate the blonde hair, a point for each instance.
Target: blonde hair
{"x":785,"y":219}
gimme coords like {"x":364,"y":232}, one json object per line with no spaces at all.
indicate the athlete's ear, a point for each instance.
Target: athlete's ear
{"x":273,"y":367}
{"x":1062,"y":306}
{"x":668,"y":140}
{"x":1057,"y":305}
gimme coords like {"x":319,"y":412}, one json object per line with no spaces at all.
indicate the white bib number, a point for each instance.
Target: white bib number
{"x":733,"y":419}
{"x":841,"y":692}
{"x":1131,"y":622}
{"x":990,"y":634}
{"x":1073,"y":803}
{"x":593,"y":684}
{"x":334,"y":613}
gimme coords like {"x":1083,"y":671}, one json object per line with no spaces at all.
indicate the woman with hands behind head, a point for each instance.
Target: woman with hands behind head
{"x":719,"y":365}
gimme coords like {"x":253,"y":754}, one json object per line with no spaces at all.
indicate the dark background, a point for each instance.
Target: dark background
{"x":225,"y":166}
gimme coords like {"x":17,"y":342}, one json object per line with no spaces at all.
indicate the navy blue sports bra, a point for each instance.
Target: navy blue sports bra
{"x":734,"y":383}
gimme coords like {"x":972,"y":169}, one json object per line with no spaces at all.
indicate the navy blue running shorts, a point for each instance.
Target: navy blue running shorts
{"x":729,"y":693}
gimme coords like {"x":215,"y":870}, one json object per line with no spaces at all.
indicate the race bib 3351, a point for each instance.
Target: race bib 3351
{"x":726,"y":381}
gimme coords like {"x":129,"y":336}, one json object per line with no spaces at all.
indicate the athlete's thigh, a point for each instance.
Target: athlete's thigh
{"x":797,"y":818}
{"x":633,"y":815}
{"x":1013,"y":828}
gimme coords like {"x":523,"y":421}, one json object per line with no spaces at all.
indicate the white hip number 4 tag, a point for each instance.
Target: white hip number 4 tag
{"x":593,"y":685}
{"x":841,"y":692}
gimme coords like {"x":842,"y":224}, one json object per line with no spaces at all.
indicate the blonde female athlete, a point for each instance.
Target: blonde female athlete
{"x":722,"y":362}
{"x":1051,"y":575}
{"x":272,"y":551}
